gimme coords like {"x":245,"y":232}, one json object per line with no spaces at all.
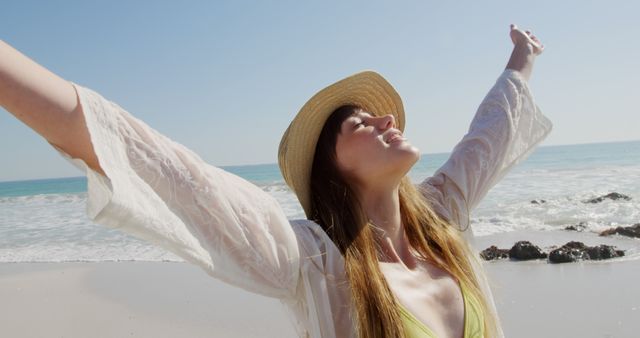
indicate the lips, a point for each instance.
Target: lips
{"x":394,"y":136}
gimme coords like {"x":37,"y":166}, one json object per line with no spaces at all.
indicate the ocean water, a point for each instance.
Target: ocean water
{"x":45,"y":220}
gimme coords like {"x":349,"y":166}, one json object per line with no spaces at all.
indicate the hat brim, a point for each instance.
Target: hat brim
{"x":366,"y":89}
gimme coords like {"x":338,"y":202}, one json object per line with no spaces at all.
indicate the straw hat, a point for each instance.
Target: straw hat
{"x":366,"y":89}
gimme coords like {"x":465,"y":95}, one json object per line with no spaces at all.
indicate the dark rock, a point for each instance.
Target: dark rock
{"x":630,"y":231}
{"x":567,"y":255}
{"x":570,"y":252}
{"x":610,"y":232}
{"x":492,"y":253}
{"x":603,"y":252}
{"x":575,"y":251}
{"x":576,"y":245}
{"x":614,"y":196}
{"x":582,"y":226}
{"x":538,"y":202}
{"x":524,"y":250}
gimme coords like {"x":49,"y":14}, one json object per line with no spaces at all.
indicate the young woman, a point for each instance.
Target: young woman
{"x":377,"y":256}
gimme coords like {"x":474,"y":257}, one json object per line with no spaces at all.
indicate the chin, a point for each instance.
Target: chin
{"x":408,"y":159}
{"x":412,"y":153}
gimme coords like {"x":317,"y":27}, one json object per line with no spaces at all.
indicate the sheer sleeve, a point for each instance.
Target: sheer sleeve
{"x":160,"y":191}
{"x":505,"y":130}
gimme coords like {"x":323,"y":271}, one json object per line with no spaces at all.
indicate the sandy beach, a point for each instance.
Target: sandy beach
{"x":161,"y":299}
{"x":130,"y":299}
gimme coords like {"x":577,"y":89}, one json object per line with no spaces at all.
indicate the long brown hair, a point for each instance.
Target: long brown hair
{"x":336,"y":208}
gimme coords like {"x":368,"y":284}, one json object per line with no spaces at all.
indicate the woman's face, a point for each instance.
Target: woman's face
{"x":371,"y":151}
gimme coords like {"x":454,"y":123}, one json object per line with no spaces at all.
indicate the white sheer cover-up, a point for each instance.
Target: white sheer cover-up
{"x":160,"y":191}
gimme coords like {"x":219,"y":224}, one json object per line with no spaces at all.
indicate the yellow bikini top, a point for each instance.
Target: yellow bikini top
{"x":473,"y":320}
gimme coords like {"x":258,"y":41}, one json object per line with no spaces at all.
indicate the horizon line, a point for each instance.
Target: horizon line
{"x":275,"y":163}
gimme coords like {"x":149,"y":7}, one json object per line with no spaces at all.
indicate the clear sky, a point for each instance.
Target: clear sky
{"x":225,"y":79}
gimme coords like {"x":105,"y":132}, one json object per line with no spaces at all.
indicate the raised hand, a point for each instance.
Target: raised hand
{"x":526,"y":38}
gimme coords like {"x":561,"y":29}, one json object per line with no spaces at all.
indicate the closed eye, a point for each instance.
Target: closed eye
{"x":358,"y":124}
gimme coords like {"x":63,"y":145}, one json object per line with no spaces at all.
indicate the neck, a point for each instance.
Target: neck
{"x":382,"y":207}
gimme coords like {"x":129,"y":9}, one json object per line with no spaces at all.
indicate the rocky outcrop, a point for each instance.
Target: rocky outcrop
{"x":492,"y":253}
{"x":613,"y":196}
{"x":603,"y":252}
{"x":630,"y":231}
{"x":576,"y":251}
{"x":582,"y":226}
{"x":524,"y":251}
{"x":571,"y":252}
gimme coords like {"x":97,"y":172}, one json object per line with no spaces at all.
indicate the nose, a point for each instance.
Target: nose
{"x":387,"y":121}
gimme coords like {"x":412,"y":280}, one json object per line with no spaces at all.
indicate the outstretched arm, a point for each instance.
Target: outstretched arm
{"x":526,"y":48}
{"x":505,"y":130}
{"x":45,"y":102}
{"x":154,"y":188}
